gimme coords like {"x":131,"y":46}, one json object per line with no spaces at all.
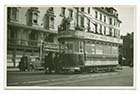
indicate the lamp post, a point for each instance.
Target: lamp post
{"x":41,"y":46}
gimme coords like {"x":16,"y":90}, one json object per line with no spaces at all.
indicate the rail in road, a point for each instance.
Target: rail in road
{"x":64,"y":80}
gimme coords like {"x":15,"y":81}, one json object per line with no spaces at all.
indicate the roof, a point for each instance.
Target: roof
{"x":104,"y":10}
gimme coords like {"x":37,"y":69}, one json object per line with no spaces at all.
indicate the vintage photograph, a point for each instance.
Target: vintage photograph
{"x":70,"y":46}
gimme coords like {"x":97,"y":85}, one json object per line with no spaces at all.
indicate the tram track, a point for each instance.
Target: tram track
{"x":54,"y":81}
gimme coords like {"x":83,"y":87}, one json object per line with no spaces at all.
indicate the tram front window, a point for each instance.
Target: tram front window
{"x":70,"y":48}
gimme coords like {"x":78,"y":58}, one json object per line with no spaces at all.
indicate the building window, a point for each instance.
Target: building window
{"x":71,"y":13}
{"x":114,"y":22}
{"x":118,"y":33}
{"x":104,"y":30}
{"x":50,"y":10}
{"x":63,"y":11}
{"x":110,"y":21}
{"x":100,"y":16}
{"x":52,"y":22}
{"x":118,"y":24}
{"x":32,"y":39}
{"x":88,"y":23}
{"x":96,"y":14}
{"x":82,"y":21}
{"x":104,"y":18}
{"x":12,"y":34}
{"x":110,"y":31}
{"x":96,"y":31}
{"x":77,"y":17}
{"x":82,"y":9}
{"x":82,"y":18}
{"x":35,"y":18}
{"x":88,"y":10}
{"x":115,"y":33}
{"x":13,"y":13}
{"x":100,"y":29}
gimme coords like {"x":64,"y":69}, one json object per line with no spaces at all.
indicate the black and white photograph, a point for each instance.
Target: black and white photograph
{"x":70,"y":46}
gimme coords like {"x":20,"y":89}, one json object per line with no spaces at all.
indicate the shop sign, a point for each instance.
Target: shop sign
{"x":51,"y":45}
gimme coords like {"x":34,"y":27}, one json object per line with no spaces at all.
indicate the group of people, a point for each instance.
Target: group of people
{"x":27,"y":64}
{"x":53,"y":63}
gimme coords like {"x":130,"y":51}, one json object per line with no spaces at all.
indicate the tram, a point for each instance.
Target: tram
{"x":89,"y":52}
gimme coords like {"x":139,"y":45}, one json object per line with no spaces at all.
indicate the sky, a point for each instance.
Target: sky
{"x":127,"y":16}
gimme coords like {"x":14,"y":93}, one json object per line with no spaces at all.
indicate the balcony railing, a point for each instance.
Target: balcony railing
{"x":32,"y":43}
{"x":20,"y":42}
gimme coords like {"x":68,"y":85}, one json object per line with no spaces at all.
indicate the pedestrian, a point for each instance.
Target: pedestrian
{"x":29,"y":63}
{"x":46,"y":63}
{"x":56,"y":63}
{"x":36,"y":63}
{"x":50,"y":62}
{"x":22,"y":65}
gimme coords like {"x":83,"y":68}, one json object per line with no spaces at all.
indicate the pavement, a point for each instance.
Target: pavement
{"x":12,"y":69}
{"x":17,"y":71}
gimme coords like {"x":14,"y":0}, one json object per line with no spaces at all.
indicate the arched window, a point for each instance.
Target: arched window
{"x":32,"y":16}
{"x":35,"y":18}
{"x":110,"y":21}
{"x":96,"y":14}
{"x":52,"y":22}
{"x":71,"y":13}
{"x":62,"y":11}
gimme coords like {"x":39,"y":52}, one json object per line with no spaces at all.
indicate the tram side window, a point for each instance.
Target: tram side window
{"x":90,"y":47}
{"x":114,"y":50}
{"x":99,"y":49}
{"x":107,"y":50}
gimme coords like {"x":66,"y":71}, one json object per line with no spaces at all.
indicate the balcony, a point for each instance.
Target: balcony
{"x":47,"y":46}
{"x":20,"y":42}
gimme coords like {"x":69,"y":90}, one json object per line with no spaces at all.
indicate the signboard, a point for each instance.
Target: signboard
{"x":98,"y":37}
{"x":51,"y":47}
{"x":97,"y":63}
{"x":51,"y":50}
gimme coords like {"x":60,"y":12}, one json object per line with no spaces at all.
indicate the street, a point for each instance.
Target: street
{"x":122,"y":77}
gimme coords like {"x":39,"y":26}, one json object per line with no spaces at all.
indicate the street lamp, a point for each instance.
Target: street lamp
{"x":41,"y":46}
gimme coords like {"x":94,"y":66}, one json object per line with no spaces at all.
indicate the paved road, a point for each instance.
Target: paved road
{"x":121,"y":78}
